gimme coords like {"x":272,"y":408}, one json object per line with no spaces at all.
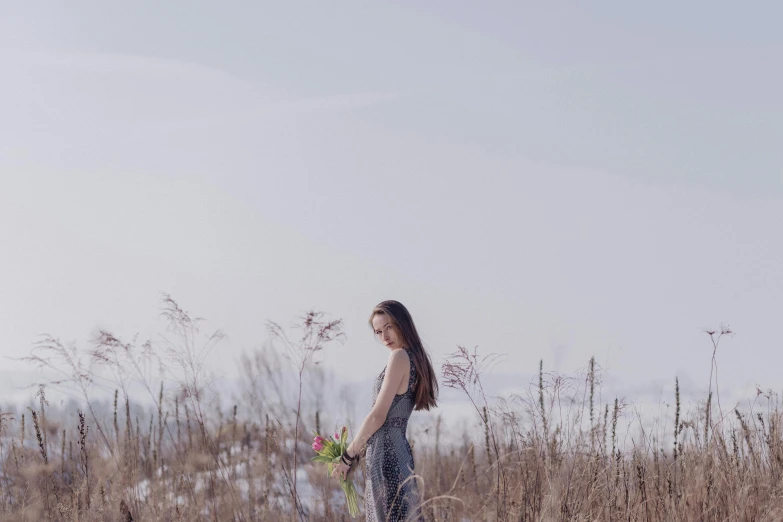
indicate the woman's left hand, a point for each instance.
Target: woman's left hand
{"x":341,"y":469}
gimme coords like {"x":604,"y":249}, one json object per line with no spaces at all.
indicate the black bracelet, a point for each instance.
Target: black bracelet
{"x":347,"y":459}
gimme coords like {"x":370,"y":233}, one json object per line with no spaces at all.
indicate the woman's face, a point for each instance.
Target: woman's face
{"x":386,"y":331}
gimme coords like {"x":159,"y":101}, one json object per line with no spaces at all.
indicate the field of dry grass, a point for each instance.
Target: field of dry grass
{"x":550,"y":455}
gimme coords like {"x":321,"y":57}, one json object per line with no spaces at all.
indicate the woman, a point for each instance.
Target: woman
{"x":407,"y":383}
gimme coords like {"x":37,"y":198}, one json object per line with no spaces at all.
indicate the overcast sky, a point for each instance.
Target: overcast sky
{"x":544,"y":180}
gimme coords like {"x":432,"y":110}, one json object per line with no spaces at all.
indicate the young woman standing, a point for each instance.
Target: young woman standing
{"x":407,"y":383}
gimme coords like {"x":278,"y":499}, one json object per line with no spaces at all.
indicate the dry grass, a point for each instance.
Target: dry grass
{"x":551,"y":454}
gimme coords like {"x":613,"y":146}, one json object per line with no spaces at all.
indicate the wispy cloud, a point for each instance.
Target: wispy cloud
{"x":213,"y":96}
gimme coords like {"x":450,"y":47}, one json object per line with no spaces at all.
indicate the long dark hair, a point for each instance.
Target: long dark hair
{"x":426,"y":385}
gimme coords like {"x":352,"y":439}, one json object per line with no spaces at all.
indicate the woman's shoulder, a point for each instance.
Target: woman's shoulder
{"x":399,"y":356}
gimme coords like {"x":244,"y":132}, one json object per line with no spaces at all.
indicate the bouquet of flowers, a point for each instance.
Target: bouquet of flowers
{"x":330,"y":450}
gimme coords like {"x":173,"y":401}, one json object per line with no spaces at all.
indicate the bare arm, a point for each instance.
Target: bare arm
{"x":395,"y":372}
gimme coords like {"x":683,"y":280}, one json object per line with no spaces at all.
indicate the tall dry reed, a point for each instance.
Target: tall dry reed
{"x":553,"y":453}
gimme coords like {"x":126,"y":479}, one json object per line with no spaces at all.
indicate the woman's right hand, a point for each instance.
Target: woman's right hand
{"x":342,"y":469}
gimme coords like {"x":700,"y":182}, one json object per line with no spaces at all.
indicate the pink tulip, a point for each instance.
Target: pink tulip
{"x":318,"y":438}
{"x":317,"y":446}
{"x":337,"y":436}
{"x":345,"y":429}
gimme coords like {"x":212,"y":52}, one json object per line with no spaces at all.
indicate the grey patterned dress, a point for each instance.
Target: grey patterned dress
{"x":390,"y":462}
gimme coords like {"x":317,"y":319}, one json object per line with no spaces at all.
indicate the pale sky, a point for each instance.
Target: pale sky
{"x":545,"y":180}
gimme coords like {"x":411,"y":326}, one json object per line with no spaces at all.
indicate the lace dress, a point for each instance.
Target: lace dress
{"x":387,"y":496}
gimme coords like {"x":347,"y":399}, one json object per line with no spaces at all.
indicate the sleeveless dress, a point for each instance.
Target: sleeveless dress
{"x":390,"y":462}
